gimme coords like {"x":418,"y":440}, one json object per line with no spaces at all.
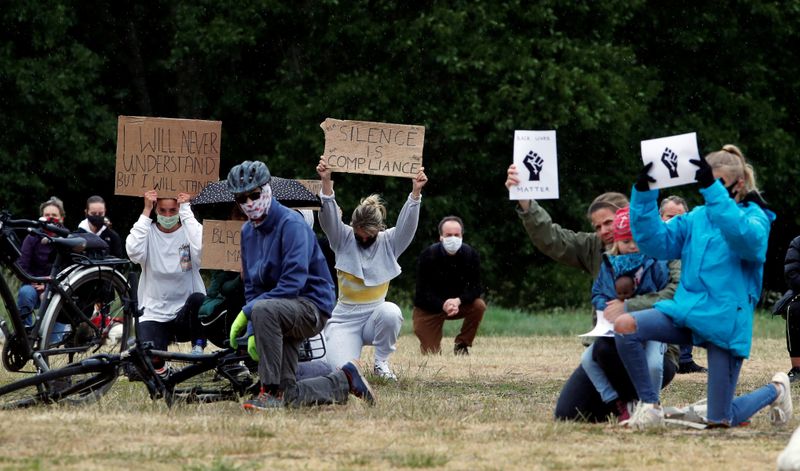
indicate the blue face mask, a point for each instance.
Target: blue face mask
{"x":168,"y":222}
{"x":627,"y":263}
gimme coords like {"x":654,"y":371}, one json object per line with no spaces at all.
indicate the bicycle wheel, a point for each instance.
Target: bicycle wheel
{"x":74,"y":384}
{"x":214,"y":380}
{"x":100,"y":293}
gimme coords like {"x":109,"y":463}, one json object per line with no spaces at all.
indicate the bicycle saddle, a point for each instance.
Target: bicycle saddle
{"x":71,"y":242}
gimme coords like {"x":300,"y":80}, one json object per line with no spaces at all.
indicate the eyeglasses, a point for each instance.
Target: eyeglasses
{"x":242,"y":199}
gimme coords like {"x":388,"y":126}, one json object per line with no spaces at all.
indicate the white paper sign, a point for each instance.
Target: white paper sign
{"x":603,"y":328}
{"x":537,"y":164}
{"x":670,"y":157}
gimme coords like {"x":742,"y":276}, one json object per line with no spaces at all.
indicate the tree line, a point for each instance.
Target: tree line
{"x":605,"y":75}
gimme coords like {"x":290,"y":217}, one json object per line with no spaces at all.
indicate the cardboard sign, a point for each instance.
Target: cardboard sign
{"x":221,"y":245}
{"x":168,"y":155}
{"x":670,"y":157}
{"x":537,"y":163}
{"x":373,"y":148}
{"x":314,"y":186}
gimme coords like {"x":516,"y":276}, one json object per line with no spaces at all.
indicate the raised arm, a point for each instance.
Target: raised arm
{"x":136,"y":242}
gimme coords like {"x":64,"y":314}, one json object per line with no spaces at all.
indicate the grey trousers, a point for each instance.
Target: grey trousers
{"x":280,"y":325}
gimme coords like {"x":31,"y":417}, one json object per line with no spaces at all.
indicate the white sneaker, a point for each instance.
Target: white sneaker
{"x":645,"y":415}
{"x":781,"y":410}
{"x":382,"y":370}
{"x":789,"y":459}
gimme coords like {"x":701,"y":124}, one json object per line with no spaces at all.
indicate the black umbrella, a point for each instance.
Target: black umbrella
{"x":289,"y":192}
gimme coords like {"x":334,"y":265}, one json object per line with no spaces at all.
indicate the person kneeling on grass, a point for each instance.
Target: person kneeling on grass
{"x":722,"y":246}
{"x":289,"y":297}
{"x":625,"y":273}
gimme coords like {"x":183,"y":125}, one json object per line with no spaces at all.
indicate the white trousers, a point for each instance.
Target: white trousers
{"x":352,"y":326}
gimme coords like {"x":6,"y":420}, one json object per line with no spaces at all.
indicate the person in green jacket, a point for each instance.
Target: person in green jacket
{"x":579,"y":399}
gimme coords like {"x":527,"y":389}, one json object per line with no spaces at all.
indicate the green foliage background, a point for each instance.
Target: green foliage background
{"x":604,"y":74}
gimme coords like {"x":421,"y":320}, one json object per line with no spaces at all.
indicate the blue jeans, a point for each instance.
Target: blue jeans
{"x":27,"y":302}
{"x":654,"y":353}
{"x":723,"y":369}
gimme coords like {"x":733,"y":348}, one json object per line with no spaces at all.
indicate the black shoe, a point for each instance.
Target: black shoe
{"x":794,"y":374}
{"x":691,"y":367}
{"x":460,"y":349}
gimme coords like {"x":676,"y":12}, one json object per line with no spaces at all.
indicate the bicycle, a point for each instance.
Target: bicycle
{"x":82,"y":312}
{"x":210,"y":377}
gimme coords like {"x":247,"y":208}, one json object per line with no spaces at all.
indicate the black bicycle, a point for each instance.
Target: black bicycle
{"x":218,"y":376}
{"x":82,"y":312}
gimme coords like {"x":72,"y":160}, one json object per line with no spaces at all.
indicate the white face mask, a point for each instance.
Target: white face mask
{"x":451,"y":244}
{"x":259,"y":208}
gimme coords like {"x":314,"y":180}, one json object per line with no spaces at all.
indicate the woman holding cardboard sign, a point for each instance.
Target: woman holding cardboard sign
{"x":366,"y":261}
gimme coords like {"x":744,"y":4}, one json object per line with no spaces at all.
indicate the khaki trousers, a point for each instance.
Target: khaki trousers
{"x":428,"y":325}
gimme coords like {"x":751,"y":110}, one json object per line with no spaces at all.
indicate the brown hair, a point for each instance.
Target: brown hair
{"x":53,"y":201}
{"x":730,"y":160}
{"x":370,"y":214}
{"x":610,"y":200}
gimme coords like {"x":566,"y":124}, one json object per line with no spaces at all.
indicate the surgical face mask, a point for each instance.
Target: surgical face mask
{"x":258,"y":209}
{"x":451,"y":244}
{"x":168,"y":222}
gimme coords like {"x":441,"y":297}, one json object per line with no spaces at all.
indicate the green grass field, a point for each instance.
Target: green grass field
{"x":491,"y":410}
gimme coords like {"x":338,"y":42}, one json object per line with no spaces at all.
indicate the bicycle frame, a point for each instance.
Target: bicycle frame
{"x":57,"y":283}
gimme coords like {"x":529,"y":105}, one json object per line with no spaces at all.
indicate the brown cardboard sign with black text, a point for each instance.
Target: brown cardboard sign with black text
{"x":221,"y":245}
{"x":168,"y":155}
{"x":373,"y":148}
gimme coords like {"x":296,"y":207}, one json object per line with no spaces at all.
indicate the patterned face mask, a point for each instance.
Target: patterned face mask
{"x":258,"y":209}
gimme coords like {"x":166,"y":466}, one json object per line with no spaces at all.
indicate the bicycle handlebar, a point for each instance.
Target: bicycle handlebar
{"x":32,"y":225}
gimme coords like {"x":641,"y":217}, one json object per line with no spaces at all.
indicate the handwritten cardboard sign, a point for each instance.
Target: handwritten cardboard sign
{"x":670,"y":157}
{"x":314,"y":186}
{"x":373,"y":148}
{"x":168,"y":155}
{"x":537,"y":163}
{"x":221,"y":245}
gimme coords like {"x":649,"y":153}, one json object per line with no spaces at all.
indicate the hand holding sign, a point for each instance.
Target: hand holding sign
{"x":418,"y":183}
{"x":150,"y":198}
{"x":704,"y":175}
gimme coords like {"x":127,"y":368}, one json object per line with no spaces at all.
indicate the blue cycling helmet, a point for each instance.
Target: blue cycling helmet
{"x":247,"y":176}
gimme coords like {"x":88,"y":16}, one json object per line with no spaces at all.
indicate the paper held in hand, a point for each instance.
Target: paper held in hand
{"x":603,"y":328}
{"x":670,"y":157}
{"x":537,"y":165}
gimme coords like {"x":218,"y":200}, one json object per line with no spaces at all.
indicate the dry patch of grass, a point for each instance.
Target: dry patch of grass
{"x":491,"y":410}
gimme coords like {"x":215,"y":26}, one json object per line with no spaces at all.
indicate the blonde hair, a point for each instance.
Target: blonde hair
{"x":610,"y":200}
{"x":731,"y":161}
{"x":370,"y":214}
{"x":53,"y":201}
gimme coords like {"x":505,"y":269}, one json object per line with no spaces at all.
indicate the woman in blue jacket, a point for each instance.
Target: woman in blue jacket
{"x":722,"y":246}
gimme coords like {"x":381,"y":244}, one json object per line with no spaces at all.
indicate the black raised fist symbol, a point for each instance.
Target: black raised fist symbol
{"x":534,"y":164}
{"x":670,"y":160}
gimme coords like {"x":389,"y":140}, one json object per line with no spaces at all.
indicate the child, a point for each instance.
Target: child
{"x":624,"y":273}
